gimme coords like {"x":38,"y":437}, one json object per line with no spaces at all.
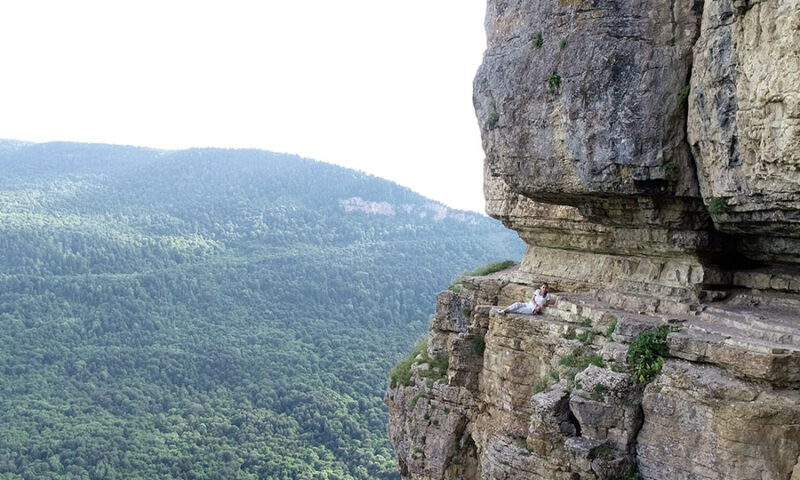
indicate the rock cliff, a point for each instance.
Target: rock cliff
{"x":649,"y":155}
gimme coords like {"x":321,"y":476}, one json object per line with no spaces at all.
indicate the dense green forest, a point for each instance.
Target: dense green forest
{"x":210,"y":314}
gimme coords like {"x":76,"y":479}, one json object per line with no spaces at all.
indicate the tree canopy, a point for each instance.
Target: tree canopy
{"x":211,"y":313}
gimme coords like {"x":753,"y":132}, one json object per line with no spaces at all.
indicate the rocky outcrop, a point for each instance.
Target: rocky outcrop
{"x":558,"y":396}
{"x":649,"y":155}
{"x":744,"y":123}
{"x":704,"y":423}
{"x":581,"y":104}
{"x":585,"y":109}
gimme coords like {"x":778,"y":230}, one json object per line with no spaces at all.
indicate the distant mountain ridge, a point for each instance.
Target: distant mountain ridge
{"x":211,"y":313}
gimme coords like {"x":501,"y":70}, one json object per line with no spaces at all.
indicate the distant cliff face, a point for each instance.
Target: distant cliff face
{"x":649,"y":155}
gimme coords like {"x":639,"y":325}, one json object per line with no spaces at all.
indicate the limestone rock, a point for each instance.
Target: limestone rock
{"x":427,"y":430}
{"x":584,"y":109}
{"x":700,"y":422}
{"x":551,"y":421}
{"x":607,"y":407}
{"x":580,"y":101}
{"x":542,"y":407}
{"x":744,"y":116}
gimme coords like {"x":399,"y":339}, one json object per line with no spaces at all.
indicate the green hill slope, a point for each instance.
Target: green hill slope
{"x":210,"y":313}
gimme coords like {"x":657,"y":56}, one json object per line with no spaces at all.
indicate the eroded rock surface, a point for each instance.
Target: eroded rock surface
{"x":649,"y":155}
{"x":744,"y":116}
{"x":583,"y":99}
{"x":704,"y":423}
{"x":554,"y":396}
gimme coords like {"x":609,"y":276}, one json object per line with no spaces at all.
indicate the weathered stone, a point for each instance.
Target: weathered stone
{"x":700,"y":422}
{"x":583,"y":108}
{"x":771,"y":363}
{"x":504,"y":458}
{"x":551,"y":422}
{"x":744,"y":116}
{"x":756,"y":341}
{"x":452,"y":312}
{"x":607,"y":407}
{"x":590,"y":432}
{"x":539,"y":102}
{"x":427,"y":426}
{"x":519,"y":349}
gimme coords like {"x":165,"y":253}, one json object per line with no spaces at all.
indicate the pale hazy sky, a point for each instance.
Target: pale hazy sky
{"x":380,"y":86}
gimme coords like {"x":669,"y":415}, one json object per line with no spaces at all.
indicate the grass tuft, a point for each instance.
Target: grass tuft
{"x":611,"y":327}
{"x":538,"y":41}
{"x":717,"y":205}
{"x":493,"y":267}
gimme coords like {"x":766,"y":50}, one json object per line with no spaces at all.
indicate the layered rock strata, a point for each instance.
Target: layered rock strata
{"x":659,"y":152}
{"x":554,"y":396}
{"x":744,"y":123}
{"x":649,"y":155}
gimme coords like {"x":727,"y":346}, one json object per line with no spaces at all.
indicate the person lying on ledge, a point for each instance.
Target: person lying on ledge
{"x":540,"y":299}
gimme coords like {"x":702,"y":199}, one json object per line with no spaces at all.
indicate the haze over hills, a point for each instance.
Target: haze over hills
{"x":211,"y":313}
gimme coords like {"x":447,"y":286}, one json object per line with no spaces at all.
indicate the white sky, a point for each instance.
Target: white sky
{"x":380,"y":86}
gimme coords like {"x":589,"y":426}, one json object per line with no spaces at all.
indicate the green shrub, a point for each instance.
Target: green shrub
{"x":599,"y":392}
{"x":717,"y":205}
{"x":586,"y":337}
{"x":487,"y":269}
{"x":604,"y":452}
{"x":538,"y":41}
{"x":491,"y":122}
{"x":478,"y":345}
{"x":578,"y":360}
{"x":415,"y":399}
{"x":562,"y":43}
{"x":465,"y":312}
{"x":611,"y":327}
{"x":554,"y":83}
{"x":540,"y":385}
{"x":631,"y":476}
{"x":493,"y":267}
{"x":400,"y":374}
{"x":581,"y":359}
{"x":439,"y":363}
{"x":437,"y":367}
{"x":646,"y":353}
{"x":595,"y":359}
{"x":671,"y":170}
{"x":685,"y":92}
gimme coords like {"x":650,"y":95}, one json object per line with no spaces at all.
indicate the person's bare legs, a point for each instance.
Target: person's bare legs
{"x":511,"y":308}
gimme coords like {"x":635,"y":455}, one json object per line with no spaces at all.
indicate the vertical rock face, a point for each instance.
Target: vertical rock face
{"x":586,"y":104}
{"x":744,"y":122}
{"x":581,"y":100}
{"x":702,"y":421}
{"x":561,"y":396}
{"x":649,"y":155}
{"x":583,"y":107}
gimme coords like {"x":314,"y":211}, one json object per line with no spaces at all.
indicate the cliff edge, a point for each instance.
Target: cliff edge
{"x":649,"y":155}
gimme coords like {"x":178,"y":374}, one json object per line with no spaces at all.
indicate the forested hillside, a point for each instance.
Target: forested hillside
{"x":210,"y":314}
